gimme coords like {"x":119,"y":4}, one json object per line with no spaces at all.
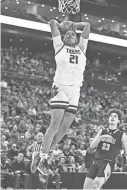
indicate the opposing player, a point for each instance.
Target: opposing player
{"x":109,"y":142}
{"x":70,"y":56}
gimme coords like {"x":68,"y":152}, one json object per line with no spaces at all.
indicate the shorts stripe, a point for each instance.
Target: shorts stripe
{"x":58,"y":107}
{"x":60,"y":102}
{"x":72,"y":106}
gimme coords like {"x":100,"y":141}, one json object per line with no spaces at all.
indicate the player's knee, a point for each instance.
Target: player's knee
{"x":96,"y":184}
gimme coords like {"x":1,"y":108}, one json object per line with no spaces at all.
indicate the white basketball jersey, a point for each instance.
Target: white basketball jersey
{"x":70,"y":62}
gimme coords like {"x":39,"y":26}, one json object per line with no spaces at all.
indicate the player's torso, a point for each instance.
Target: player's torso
{"x":70,"y":65}
{"x":108,"y":150}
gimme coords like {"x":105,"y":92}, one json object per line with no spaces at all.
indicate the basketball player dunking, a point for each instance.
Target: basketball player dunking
{"x":109,"y":143}
{"x":70,"y":65}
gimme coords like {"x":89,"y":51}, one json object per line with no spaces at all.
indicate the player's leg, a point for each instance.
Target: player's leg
{"x":73,"y":94}
{"x":88,"y":184}
{"x":59,"y":102}
{"x":56,"y":118}
{"x":98,"y":183}
{"x":64,"y":126}
{"x":92,"y":173}
{"x":103,"y":174}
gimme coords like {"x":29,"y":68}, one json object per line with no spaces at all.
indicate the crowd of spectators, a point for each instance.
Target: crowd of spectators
{"x":109,"y":77}
{"x":25,"y":100}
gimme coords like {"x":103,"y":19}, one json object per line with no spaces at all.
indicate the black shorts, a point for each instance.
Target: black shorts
{"x":100,"y":168}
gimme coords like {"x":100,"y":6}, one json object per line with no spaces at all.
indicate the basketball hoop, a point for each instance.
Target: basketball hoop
{"x":69,"y":6}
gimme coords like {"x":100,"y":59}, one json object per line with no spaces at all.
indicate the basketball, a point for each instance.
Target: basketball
{"x":66,"y":25}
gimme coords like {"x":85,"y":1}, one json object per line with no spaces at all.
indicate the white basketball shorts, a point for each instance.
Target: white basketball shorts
{"x":65,"y":97}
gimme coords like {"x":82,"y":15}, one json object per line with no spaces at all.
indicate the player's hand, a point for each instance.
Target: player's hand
{"x":73,"y":27}
{"x":66,"y":25}
{"x":103,"y":137}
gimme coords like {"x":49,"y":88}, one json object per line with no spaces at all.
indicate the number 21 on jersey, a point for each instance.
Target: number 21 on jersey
{"x":105,"y":146}
{"x":73,"y":59}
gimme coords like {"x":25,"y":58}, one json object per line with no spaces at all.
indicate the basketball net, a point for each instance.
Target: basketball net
{"x":69,"y":6}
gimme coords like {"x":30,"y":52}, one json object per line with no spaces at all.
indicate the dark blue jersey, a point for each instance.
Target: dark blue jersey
{"x":109,"y":149}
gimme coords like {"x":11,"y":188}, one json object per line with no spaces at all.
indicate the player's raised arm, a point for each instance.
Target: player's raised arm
{"x":54,"y":28}
{"x":124,"y":142}
{"x":85,"y":34}
{"x":57,"y":41}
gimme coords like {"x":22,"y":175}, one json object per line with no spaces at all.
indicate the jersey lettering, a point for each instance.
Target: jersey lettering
{"x":72,"y":51}
{"x":73,"y":59}
{"x":105,"y":146}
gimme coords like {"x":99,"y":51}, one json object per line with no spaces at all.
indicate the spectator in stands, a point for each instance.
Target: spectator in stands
{"x":82,"y":166}
{"x":7,"y":176}
{"x":72,"y":150}
{"x":19,"y":169}
{"x":62,"y":165}
{"x":12,"y":152}
{"x":72,"y":164}
{"x":4,"y":143}
{"x":38,"y":128}
{"x":22,"y":149}
{"x":82,"y":150}
{"x":30,"y":133}
{"x":66,"y":150}
{"x":14,"y":133}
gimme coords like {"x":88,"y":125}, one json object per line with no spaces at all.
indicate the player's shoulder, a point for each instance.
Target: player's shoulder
{"x":120,"y":132}
{"x":83,"y":40}
{"x":58,"y":39}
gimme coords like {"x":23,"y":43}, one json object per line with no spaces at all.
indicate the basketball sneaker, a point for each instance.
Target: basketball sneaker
{"x":43,"y":167}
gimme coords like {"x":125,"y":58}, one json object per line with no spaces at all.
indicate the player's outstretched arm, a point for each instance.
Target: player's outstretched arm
{"x":57,"y":41}
{"x":83,"y":42}
{"x":124,"y":142}
{"x":55,"y":28}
